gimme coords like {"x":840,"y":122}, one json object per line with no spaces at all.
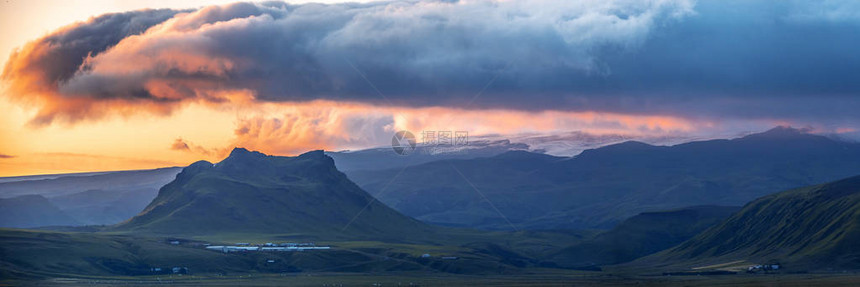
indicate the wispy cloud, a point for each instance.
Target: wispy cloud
{"x":181,"y":144}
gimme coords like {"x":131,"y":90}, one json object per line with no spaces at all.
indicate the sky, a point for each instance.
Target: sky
{"x":111,"y":85}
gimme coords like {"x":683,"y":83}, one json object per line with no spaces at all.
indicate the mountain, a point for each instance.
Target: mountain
{"x":385,"y":157}
{"x":104,"y":207}
{"x":250,"y":192}
{"x":436,"y":192}
{"x":45,"y":176}
{"x":93,"y":198}
{"x":558,"y":144}
{"x":601,"y":187}
{"x":810,"y":228}
{"x":31,"y":211}
{"x":575,"y":142}
{"x":253,"y":197}
{"x":65,"y":184}
{"x":641,"y":235}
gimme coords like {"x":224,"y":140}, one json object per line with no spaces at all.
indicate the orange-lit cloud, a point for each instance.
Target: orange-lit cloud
{"x":154,"y":61}
{"x":293,"y":128}
{"x":185,"y":146}
{"x":541,"y":55}
{"x":34,"y":73}
{"x":210,"y":131}
{"x":179,"y":145}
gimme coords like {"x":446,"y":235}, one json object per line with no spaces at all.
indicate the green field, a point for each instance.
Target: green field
{"x":50,"y":258}
{"x":538,"y":278}
{"x":34,"y":254}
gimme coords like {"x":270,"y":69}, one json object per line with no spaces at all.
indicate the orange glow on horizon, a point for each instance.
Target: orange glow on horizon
{"x":207,"y":131}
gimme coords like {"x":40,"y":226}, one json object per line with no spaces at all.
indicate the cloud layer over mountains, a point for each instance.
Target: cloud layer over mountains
{"x":744,"y":59}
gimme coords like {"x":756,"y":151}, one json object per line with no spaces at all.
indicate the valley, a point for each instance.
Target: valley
{"x":232,"y":220}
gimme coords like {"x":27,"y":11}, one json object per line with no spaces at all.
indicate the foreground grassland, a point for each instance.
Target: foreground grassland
{"x":50,"y":258}
{"x":542,"y":278}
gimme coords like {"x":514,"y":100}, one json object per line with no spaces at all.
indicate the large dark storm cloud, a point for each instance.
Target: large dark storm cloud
{"x":749,"y":59}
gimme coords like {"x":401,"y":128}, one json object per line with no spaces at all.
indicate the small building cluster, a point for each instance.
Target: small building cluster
{"x":426,"y":255}
{"x":245,"y":247}
{"x":168,"y":270}
{"x":763,"y":267}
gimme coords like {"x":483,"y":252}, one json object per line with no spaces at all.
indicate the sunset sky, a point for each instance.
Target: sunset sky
{"x":113,"y":85}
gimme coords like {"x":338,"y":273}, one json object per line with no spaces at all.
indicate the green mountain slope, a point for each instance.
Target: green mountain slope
{"x":249,"y":192}
{"x":642,"y":235}
{"x":816,"y":227}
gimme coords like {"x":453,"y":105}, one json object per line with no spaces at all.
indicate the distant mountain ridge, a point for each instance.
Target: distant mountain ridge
{"x":385,"y":158}
{"x":249,"y":192}
{"x":89,"y":198}
{"x":28,"y":211}
{"x":602,"y":186}
{"x":65,"y":184}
